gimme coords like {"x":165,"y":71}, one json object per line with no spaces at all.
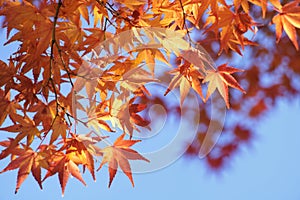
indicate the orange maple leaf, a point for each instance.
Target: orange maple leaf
{"x":118,"y":156}
{"x":187,"y":76}
{"x":124,"y":115}
{"x":59,"y":128}
{"x":263,"y":4}
{"x":81,"y":148}
{"x":25,"y":127}
{"x":220,"y":79}
{"x":64,"y":166}
{"x":287,"y":19}
{"x":27,"y":161}
{"x":243,"y":3}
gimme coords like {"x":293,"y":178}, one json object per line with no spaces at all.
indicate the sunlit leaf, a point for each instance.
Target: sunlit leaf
{"x":118,"y":155}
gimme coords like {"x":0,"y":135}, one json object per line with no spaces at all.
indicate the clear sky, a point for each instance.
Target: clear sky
{"x":268,"y":168}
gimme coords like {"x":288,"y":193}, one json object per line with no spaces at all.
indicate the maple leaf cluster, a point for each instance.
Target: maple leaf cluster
{"x":42,"y":83}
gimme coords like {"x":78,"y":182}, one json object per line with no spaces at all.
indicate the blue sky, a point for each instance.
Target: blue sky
{"x":267,"y":168}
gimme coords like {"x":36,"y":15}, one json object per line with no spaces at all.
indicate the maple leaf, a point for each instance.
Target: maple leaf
{"x":59,"y":128}
{"x":124,"y":114}
{"x":26,"y":162}
{"x":230,"y":27}
{"x":135,"y":78}
{"x":194,"y":10}
{"x":7,"y":72}
{"x":149,"y":56}
{"x":243,"y":3}
{"x":263,"y":4}
{"x":118,"y":156}
{"x":97,"y":116}
{"x":43,"y":114}
{"x":88,"y":76}
{"x":25,"y":127}
{"x":186,"y":76}
{"x":132,"y":4}
{"x":134,"y":117}
{"x":220,"y":79}
{"x":101,"y":116}
{"x":5,"y":106}
{"x":287,"y":19}
{"x":81,"y":148}
{"x":175,"y":40}
{"x":93,"y":40}
{"x":64,"y":166}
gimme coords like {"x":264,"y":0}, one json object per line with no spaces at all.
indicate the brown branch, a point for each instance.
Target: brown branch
{"x":114,"y":12}
{"x":184,"y":19}
{"x":63,"y":63}
{"x":105,"y":24}
{"x":53,"y":41}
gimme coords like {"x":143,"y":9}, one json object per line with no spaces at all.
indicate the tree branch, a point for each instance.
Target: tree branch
{"x":184,"y":19}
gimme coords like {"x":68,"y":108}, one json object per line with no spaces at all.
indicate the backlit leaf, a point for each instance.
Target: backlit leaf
{"x":288,"y":20}
{"x":220,"y":80}
{"x":118,"y":155}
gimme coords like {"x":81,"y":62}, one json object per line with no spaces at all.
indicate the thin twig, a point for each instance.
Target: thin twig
{"x":63,"y":63}
{"x":53,"y":41}
{"x":184,"y":19}
{"x":108,"y":20}
{"x":51,"y":70}
{"x":114,"y":12}
{"x":54,"y":37}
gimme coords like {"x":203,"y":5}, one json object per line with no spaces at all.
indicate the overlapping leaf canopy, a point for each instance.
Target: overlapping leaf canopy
{"x":40,"y":80}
